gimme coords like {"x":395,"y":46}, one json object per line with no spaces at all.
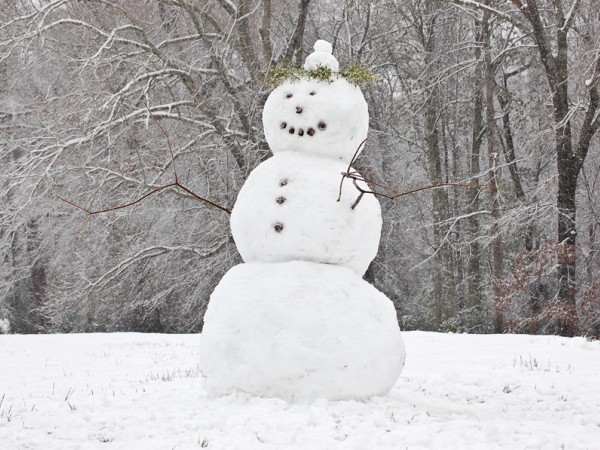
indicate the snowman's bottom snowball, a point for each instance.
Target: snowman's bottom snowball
{"x":300,"y":330}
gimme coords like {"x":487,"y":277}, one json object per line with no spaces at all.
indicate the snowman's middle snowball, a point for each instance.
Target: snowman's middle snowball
{"x":288,"y":210}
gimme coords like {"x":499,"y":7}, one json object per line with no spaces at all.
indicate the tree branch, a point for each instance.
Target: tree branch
{"x":294,"y":47}
{"x":175,"y":184}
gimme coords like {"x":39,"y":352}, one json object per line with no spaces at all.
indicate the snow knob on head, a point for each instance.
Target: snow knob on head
{"x":322,"y":56}
{"x":323,"y":118}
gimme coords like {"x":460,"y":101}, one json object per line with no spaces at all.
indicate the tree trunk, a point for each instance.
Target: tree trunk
{"x":568,"y":321}
{"x":434,"y":164}
{"x":497,"y":246}
{"x":509,"y":149}
{"x":435,"y":172}
{"x":568,"y":161}
{"x":474,"y":293}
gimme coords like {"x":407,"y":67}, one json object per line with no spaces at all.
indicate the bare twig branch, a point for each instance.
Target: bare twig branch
{"x":356,"y":177}
{"x":169,"y":144}
{"x":115,"y":208}
{"x":174,"y":184}
{"x":358,"y":149}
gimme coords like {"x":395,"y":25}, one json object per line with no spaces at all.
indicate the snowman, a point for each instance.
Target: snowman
{"x":296,"y":320}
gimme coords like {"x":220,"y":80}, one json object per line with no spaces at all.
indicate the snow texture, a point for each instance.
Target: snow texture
{"x":288,"y":210}
{"x":328,"y":119}
{"x":322,"y":56}
{"x":297,"y":321}
{"x":144,"y":391}
{"x":4,"y":326}
{"x":300,"y":331}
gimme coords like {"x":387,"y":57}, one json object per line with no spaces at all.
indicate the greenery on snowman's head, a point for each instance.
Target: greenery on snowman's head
{"x":355,"y":74}
{"x":359,"y":75}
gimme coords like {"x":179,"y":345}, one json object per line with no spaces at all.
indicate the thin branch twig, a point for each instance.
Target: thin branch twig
{"x":174,"y":184}
{"x":358,"y":149}
{"x":356,"y":177}
{"x":169,"y":144}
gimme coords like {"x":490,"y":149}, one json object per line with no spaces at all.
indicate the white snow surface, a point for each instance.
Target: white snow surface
{"x":299,"y":331}
{"x":328,"y":119}
{"x":322,"y":56}
{"x":323,"y":46}
{"x":135,"y":391}
{"x":298,"y":194}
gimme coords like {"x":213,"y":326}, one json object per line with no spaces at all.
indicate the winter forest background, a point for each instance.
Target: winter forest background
{"x":498,"y":94}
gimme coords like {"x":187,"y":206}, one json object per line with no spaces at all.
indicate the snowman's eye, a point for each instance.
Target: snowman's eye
{"x":312,"y":93}
{"x":289,"y":95}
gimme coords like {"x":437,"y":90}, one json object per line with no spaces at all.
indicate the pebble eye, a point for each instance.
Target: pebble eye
{"x":322,"y":125}
{"x":289,"y":95}
{"x":312,"y":93}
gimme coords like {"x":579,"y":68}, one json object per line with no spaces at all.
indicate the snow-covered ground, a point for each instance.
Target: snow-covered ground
{"x":135,"y":391}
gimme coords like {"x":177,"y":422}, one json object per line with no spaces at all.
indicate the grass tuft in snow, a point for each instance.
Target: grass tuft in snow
{"x":170,"y":375}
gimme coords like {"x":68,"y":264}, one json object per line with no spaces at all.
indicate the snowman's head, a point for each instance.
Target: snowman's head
{"x":326,"y":118}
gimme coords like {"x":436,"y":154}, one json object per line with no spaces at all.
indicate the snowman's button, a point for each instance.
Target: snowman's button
{"x":281,"y":199}
{"x":300,"y":132}
{"x":278,"y":227}
{"x":310,"y":131}
{"x":283,"y":182}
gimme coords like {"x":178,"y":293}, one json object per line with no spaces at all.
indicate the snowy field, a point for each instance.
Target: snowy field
{"x":135,"y":391}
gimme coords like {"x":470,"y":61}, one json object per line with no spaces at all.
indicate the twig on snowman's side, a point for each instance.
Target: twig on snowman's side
{"x":358,"y":149}
{"x":114,"y":208}
{"x":434,"y":186}
{"x":356,"y":177}
{"x":175,"y":184}
{"x":360,"y":196}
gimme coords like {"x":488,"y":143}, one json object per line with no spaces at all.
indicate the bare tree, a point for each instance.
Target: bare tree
{"x":550,"y":26}
{"x":497,"y":95}
{"x":85,"y":80}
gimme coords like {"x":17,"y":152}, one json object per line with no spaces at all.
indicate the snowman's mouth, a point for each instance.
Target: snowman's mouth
{"x":310,"y":131}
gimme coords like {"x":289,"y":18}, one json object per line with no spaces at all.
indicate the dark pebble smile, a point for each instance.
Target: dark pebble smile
{"x":309,"y":131}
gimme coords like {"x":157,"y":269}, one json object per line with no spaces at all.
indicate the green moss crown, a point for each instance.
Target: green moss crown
{"x":355,"y":74}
